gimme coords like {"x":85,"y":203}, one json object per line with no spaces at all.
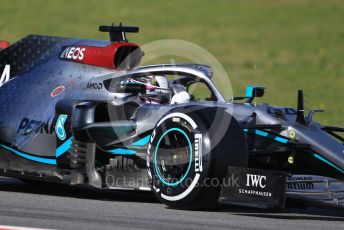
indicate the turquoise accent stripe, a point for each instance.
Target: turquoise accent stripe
{"x":155,"y":154}
{"x":29,"y":157}
{"x":269,"y":135}
{"x":328,"y":162}
{"x":249,"y":91}
{"x":261,"y":133}
{"x":142,"y":141}
{"x":64,"y":147}
{"x":122,"y":151}
{"x":282,"y":140}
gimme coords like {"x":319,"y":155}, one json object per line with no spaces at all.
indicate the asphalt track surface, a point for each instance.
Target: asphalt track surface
{"x":64,"y":207}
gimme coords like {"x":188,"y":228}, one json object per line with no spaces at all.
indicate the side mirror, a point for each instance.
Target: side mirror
{"x":251,"y":93}
{"x":255,"y":91}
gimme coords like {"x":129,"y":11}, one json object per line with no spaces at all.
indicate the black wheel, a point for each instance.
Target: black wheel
{"x":188,"y":155}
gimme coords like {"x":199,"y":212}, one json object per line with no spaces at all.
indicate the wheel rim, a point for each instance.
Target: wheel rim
{"x":173,"y":162}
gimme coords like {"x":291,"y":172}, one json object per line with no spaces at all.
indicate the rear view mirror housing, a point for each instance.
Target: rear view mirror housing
{"x":255,"y":91}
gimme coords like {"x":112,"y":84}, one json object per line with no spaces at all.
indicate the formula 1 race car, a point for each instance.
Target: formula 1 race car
{"x":83,"y":112}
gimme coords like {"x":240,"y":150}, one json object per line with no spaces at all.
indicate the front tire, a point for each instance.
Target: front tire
{"x":187,"y":159}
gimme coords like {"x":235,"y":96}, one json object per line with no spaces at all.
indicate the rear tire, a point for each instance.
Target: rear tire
{"x":188,"y":155}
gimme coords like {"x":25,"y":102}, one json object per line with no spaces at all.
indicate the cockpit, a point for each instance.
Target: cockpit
{"x":162,"y":87}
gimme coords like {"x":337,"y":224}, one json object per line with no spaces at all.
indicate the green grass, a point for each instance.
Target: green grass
{"x":284,"y":45}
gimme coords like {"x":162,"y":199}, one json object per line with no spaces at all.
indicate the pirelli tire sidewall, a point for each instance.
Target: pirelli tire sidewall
{"x":181,"y":192}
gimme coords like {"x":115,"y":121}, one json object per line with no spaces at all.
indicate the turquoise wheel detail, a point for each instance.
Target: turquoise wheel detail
{"x":182,"y":170}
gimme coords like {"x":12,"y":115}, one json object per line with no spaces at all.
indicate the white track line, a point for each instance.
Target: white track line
{"x":8,"y":227}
